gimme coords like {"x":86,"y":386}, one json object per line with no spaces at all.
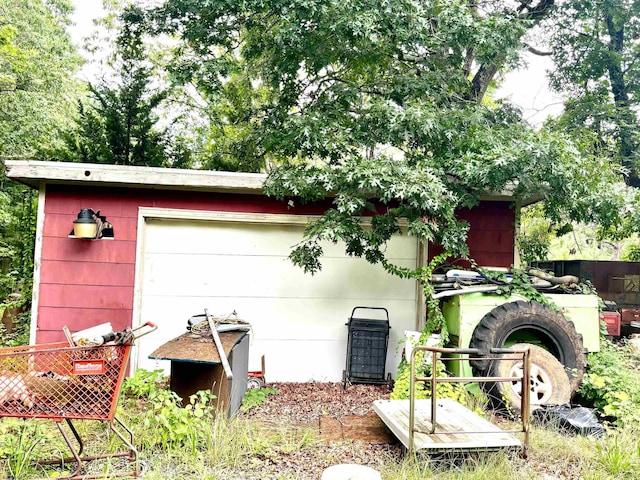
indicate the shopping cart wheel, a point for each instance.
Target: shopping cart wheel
{"x":344,"y":379}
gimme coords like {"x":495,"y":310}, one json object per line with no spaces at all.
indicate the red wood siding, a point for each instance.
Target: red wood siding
{"x":84,"y":282}
{"x":491,"y":237}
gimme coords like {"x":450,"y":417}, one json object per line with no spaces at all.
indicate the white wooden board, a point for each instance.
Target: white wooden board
{"x":298,"y":319}
{"x":457,"y":427}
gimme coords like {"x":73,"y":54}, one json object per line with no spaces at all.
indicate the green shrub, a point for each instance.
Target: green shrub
{"x":401,"y":387}
{"x":143,"y":382}
{"x":173,"y":426}
{"x":256,"y":396}
{"x":611,"y":386}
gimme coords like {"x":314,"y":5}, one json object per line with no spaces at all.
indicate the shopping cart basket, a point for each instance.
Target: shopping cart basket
{"x":62,"y":382}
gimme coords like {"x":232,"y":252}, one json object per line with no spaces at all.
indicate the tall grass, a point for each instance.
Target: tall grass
{"x":197,"y":443}
{"x":240,"y":448}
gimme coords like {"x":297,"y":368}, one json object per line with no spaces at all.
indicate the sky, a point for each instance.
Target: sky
{"x":526,"y":88}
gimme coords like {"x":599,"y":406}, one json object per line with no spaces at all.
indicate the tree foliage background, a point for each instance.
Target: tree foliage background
{"x":383,"y":100}
{"x":119,"y":122}
{"x":38,"y":92}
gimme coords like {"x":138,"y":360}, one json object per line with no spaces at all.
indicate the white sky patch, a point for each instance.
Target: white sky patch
{"x":528,"y":88}
{"x":82,"y":27}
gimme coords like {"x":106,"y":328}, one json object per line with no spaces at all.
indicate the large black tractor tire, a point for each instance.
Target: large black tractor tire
{"x":535,"y":323}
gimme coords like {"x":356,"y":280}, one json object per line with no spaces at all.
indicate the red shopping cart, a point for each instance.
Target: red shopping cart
{"x":62,"y":382}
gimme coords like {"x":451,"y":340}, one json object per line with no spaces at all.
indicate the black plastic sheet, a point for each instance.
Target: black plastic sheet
{"x":568,"y":418}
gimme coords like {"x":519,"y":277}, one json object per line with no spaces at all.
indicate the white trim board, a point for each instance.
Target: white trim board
{"x":37,"y":265}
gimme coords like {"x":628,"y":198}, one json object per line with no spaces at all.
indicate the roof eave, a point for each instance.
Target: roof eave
{"x":34,"y":173}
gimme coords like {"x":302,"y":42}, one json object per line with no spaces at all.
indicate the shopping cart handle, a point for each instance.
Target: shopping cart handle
{"x":152,"y":327}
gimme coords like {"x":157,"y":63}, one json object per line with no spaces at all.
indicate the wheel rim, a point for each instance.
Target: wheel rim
{"x":252,"y":383}
{"x":540,"y":383}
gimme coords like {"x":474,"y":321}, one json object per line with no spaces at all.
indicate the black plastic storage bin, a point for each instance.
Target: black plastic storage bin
{"x":367,"y":349}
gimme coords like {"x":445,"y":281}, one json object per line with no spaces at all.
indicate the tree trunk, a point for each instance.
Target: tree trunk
{"x":627,"y":118}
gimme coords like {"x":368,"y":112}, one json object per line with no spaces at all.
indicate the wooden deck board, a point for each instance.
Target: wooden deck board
{"x":460,"y":428}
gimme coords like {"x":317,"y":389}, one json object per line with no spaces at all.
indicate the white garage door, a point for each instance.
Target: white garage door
{"x":298,"y":319}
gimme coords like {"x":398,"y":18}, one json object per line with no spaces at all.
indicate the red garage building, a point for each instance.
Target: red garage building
{"x":186,"y":240}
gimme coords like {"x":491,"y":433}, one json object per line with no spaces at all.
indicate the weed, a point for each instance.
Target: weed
{"x":613,"y":390}
{"x":20,"y":443}
{"x":173,"y":425}
{"x":143,"y":382}
{"x":256,"y":396}
{"x":619,"y":456}
{"x":456,"y":391}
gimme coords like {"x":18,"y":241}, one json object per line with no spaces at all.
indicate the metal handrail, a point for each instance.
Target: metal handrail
{"x":506,"y":354}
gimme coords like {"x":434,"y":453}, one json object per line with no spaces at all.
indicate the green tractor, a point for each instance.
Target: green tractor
{"x":559,"y":333}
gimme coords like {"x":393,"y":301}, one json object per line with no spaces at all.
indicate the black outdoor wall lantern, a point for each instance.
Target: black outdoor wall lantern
{"x":91,"y":225}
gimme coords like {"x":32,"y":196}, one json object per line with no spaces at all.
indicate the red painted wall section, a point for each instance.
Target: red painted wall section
{"x":491,"y":238}
{"x":87,"y":282}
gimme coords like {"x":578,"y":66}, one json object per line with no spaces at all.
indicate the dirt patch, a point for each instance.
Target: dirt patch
{"x":351,"y":433}
{"x":305,"y":403}
{"x":345,"y":421}
{"x":337,"y":413}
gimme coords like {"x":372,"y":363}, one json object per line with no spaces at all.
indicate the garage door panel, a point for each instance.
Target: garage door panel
{"x":320,"y":361}
{"x":278,"y":324}
{"x":298,"y":320}
{"x":225,"y":238}
{"x":275,"y":318}
{"x":291,"y":361}
{"x":216,"y":275}
{"x":234,"y":238}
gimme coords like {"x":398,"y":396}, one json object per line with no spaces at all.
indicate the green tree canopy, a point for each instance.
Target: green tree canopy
{"x":37,"y":85}
{"x":595,"y":47}
{"x":38,"y":92}
{"x":381,"y":101}
{"x":120,"y":122}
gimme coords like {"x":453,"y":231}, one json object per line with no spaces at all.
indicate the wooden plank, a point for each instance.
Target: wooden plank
{"x":86,"y":296}
{"x":87,"y":273}
{"x":99,"y":251}
{"x":457,"y":427}
{"x":52,"y":318}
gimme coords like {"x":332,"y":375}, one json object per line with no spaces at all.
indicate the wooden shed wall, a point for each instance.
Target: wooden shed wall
{"x":84,"y":282}
{"x":491,"y":237}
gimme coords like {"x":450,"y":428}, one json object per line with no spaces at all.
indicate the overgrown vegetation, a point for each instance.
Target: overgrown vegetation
{"x":215,"y":447}
{"x":143,"y":382}
{"x":401,"y":387}
{"x":256,"y":396}
{"x":612,"y":384}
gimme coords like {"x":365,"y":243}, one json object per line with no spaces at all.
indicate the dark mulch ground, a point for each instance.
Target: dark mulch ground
{"x":314,"y":405}
{"x":322,"y":406}
{"x":307,"y":402}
